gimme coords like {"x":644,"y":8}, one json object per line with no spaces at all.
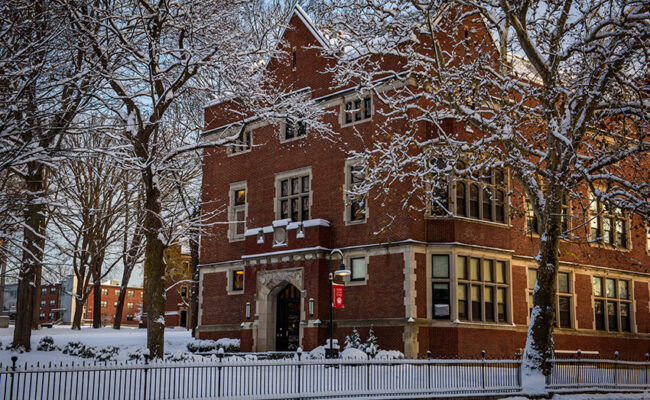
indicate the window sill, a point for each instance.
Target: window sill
{"x":235,"y":292}
{"x":230,"y":154}
{"x":293,"y":139}
{"x":604,"y":246}
{"x":492,"y":324}
{"x":356,"y":282}
{"x":480,"y":221}
{"x":353,"y":123}
{"x":351,"y":223}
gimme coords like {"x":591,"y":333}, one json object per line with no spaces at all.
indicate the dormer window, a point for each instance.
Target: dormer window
{"x":294,"y":129}
{"x":356,"y":110}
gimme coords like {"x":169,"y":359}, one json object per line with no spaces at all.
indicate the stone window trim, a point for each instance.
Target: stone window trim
{"x":570,"y":295}
{"x":604,"y":298}
{"x":484,"y":284}
{"x":280,"y":176}
{"x":440,"y":280}
{"x":234,"y":208}
{"x":230,"y":276}
{"x":242,"y":145}
{"x":356,"y":108}
{"x":348,"y":257}
{"x":300,"y":130}
{"x":600,"y":216}
{"x":463,"y":206}
{"x":347,"y":212}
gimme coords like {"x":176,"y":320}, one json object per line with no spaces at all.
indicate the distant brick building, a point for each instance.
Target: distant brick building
{"x":110,"y":290}
{"x":50,"y":307}
{"x":452,"y":285}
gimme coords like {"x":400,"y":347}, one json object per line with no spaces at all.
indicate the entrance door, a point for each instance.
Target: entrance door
{"x":183,"y":321}
{"x":287,"y":331}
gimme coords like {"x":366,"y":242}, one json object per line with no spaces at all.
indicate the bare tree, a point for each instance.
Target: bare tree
{"x":561,"y":101}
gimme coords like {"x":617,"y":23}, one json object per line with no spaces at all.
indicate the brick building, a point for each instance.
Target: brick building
{"x":110,"y":290}
{"x":50,"y":308}
{"x":454,"y":286}
{"x":178,"y":275}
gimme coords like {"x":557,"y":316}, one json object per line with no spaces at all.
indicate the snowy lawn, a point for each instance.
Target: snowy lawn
{"x":129,"y":340}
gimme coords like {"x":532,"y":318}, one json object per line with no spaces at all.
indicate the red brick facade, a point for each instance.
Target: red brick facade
{"x":50,"y":307}
{"x":110,"y":291}
{"x":396,"y":296}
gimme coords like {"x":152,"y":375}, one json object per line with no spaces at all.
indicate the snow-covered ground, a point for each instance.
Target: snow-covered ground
{"x":128,"y":340}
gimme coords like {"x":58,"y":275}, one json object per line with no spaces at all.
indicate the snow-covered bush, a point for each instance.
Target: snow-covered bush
{"x":389,"y":355}
{"x":206,"y":346}
{"x":353,"y":354}
{"x":79,"y":349}
{"x":370,"y":346}
{"x":178,"y":356}
{"x":136,"y":355}
{"x":107,"y":353}
{"x":46,"y":344}
{"x":317,"y":354}
{"x":353,"y":341}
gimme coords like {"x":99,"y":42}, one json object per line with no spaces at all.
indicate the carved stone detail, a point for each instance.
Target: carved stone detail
{"x":271,"y":279}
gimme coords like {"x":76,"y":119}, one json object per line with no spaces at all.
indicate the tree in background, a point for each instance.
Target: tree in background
{"x":560,"y":98}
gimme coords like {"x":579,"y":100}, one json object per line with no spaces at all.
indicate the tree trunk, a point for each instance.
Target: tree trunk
{"x":36,"y":310}
{"x":539,"y":342}
{"x":194,"y":291}
{"x":33,"y":242}
{"x":3,"y":271}
{"x":97,"y":300}
{"x":154,"y":268}
{"x":129,"y":264}
{"x":80,"y":298}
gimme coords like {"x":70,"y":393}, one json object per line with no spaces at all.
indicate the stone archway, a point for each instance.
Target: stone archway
{"x":269,"y":284}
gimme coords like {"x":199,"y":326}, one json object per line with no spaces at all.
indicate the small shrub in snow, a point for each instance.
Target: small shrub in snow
{"x":317,"y":354}
{"x":107,"y":353}
{"x":353,"y":354}
{"x":46,"y":344}
{"x":136,"y":355}
{"x":79,"y":349}
{"x":178,"y":356}
{"x":389,"y":355}
{"x":353,"y":341}
{"x":206,"y":346}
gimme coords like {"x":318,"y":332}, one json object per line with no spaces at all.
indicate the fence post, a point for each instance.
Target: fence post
{"x":368,"y":351}
{"x":647,"y":356}
{"x":483,"y":369}
{"x":299,"y":352}
{"x":616,"y":368}
{"x":429,"y":368}
{"x":13,"y":369}
{"x":579,"y":352}
{"x":220,"y":354}
{"x":146,"y":371}
{"x":518,"y":357}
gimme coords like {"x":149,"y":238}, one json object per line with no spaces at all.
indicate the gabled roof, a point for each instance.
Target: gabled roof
{"x":298,"y":11}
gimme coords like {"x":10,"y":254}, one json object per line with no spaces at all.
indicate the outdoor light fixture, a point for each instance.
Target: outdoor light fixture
{"x":311,"y":306}
{"x":342,"y":271}
{"x":248,"y":310}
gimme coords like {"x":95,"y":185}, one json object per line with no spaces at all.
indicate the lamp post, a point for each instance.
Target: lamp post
{"x":342,"y":271}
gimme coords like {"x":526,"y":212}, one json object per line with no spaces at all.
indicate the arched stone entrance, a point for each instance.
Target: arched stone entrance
{"x":269,"y":286}
{"x":287,"y":321}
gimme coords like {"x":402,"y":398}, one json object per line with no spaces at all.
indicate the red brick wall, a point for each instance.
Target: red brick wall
{"x":111,"y":299}
{"x":584,"y":305}
{"x":47,"y":297}
{"x":421,"y":284}
{"x":519,"y":295}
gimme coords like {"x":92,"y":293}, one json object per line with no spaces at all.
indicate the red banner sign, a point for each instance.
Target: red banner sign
{"x":337,"y":295}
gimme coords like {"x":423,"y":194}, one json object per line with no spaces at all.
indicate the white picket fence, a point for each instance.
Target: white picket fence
{"x":236,"y":378}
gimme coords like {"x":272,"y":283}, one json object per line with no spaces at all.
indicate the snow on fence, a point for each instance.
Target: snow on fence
{"x":304,"y":379}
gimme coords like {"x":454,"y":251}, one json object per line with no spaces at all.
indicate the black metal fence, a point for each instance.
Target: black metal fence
{"x":282,"y":379}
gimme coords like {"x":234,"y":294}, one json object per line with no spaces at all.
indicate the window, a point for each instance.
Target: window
{"x":440,"y":285}
{"x":104,"y":292}
{"x":647,"y":232}
{"x":42,"y":303}
{"x":355,"y":203}
{"x":358,"y":268}
{"x":52,"y":303}
{"x":612,"y":304}
{"x":129,"y":317}
{"x":115,"y":304}
{"x":117,"y":292}
{"x":52,"y":290}
{"x":238,"y":211}
{"x":532,"y":224}
{"x":563,"y":299}
{"x":51,"y":315}
{"x":356,"y":110}
{"x":243,"y":143}
{"x":482,"y":289}
{"x":609,"y":225}
{"x":184,"y":292}
{"x":43,"y":290}
{"x":238,"y":280}
{"x":294,"y":129}
{"x":294,"y":198}
{"x":104,"y":304}
{"x":129,"y":306}
{"x":130,"y":293}
{"x":41,"y":316}
{"x":484,"y":200}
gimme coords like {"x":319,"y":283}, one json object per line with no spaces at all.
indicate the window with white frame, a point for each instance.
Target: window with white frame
{"x":129,"y":305}
{"x":612,"y":304}
{"x":609,"y":225}
{"x":43,"y":290}
{"x":243,"y":143}
{"x":117,"y":292}
{"x":294,"y":128}
{"x":52,"y":290}
{"x":104,"y":292}
{"x":104,"y":304}
{"x":440,"y":285}
{"x":52,"y":303}
{"x":563,"y":298}
{"x":294,"y":197}
{"x":357,"y":109}
{"x":355,"y":202}
{"x":482,"y":289}
{"x":129,"y":317}
{"x":483,"y":199}
{"x":41,"y":316}
{"x":238,"y":211}
{"x":130,"y":293}
{"x":43,"y":303}
{"x":358,"y":268}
